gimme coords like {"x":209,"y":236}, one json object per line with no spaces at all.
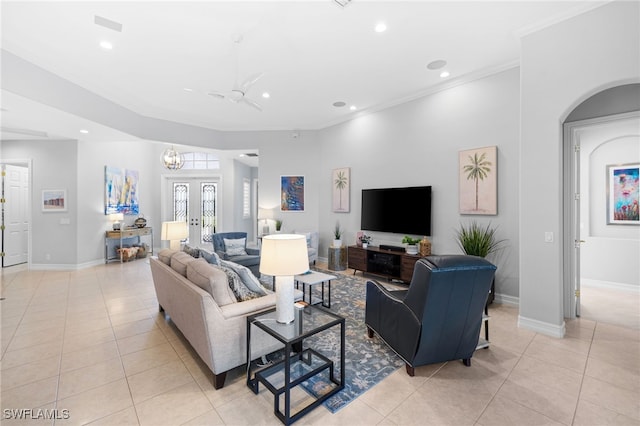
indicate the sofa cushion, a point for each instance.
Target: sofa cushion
{"x":179,"y":262}
{"x":191,"y":251}
{"x":211,"y":257}
{"x":212,"y":280}
{"x":235,"y":247}
{"x":247,"y":277}
{"x":165,"y":255}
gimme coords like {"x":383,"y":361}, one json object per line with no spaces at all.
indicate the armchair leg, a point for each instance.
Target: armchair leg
{"x":369,"y":332}
{"x":467,"y":362}
{"x":218,"y":380}
{"x":410,"y":370}
{"x":160,"y":308}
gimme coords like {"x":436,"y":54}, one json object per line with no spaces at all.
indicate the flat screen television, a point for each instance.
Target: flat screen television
{"x":398,"y":210}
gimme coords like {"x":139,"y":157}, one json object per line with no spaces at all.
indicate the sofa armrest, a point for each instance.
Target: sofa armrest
{"x":252,"y":251}
{"x":392,"y":320}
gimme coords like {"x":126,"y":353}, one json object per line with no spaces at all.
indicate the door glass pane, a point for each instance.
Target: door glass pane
{"x":180,"y":201}
{"x":208,"y":216}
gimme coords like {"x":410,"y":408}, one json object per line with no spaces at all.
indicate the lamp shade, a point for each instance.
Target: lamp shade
{"x":116,"y":217}
{"x":176,"y":230}
{"x":284,"y":255}
{"x":264,"y":214}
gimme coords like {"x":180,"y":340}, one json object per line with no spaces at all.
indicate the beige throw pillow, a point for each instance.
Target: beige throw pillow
{"x":212,"y":280}
{"x":179,"y":262}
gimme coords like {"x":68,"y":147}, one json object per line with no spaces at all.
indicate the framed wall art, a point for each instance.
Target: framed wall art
{"x":478,"y":181}
{"x":623,"y":194}
{"x":292,"y":193}
{"x":121,"y":191}
{"x":54,"y":200}
{"x":341,"y":184}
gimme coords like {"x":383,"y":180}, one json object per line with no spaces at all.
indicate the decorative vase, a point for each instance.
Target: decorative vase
{"x":365,"y":245}
{"x":140,"y":222}
{"x":425,"y":247}
{"x":337,"y":243}
{"x":412,"y":249}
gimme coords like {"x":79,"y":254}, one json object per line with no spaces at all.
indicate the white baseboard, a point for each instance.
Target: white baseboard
{"x":542,"y":327}
{"x":585,"y":282}
{"x":65,"y":267}
{"x":507,"y":300}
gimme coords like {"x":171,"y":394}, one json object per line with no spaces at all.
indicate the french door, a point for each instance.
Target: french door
{"x":195,"y":201}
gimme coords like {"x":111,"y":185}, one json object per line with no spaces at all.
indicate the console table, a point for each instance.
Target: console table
{"x":387,"y":263}
{"x":121,"y":235}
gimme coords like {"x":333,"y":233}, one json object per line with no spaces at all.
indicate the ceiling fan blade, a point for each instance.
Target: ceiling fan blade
{"x":218,"y":95}
{"x":251,"y":103}
{"x":250,"y":81}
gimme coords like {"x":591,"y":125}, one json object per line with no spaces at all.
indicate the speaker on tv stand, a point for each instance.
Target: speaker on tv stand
{"x":391,"y":248}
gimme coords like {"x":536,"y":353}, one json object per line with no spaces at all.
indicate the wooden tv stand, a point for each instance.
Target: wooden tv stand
{"x":386,"y":263}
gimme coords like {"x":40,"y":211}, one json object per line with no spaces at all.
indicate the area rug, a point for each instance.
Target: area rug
{"x":367,"y":361}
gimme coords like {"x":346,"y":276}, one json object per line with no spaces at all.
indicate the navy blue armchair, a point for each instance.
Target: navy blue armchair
{"x":439,"y":317}
{"x":251,"y":258}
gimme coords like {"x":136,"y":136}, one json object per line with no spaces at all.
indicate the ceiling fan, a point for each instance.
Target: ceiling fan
{"x":238,"y":93}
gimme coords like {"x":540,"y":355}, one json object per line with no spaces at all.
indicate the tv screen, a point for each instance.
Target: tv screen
{"x":399,"y":210}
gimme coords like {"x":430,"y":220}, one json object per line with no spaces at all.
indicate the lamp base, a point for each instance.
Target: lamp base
{"x":284,"y":299}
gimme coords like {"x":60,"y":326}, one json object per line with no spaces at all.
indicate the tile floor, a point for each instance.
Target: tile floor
{"x":92,"y":342}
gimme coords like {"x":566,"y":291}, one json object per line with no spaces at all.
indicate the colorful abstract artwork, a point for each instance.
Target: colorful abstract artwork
{"x":478,"y":181}
{"x":624,"y":195}
{"x":292,"y":193}
{"x":121,"y":191}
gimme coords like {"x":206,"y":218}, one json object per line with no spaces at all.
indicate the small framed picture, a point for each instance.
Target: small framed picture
{"x":623,"y":194}
{"x":54,"y":200}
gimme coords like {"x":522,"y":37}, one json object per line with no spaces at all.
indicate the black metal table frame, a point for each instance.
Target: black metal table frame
{"x":304,"y":355}
{"x":321,"y":302}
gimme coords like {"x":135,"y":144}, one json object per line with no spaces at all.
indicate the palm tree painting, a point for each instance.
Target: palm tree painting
{"x":341,"y":182}
{"x":478,"y":181}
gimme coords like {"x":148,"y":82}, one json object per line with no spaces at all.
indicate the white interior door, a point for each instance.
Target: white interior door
{"x":195,"y":202}
{"x":15,"y":233}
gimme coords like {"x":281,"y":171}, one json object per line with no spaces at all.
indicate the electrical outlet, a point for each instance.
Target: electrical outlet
{"x":548,"y":237}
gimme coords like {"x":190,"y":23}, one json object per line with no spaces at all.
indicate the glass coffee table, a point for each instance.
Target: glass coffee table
{"x":312,"y":278}
{"x":299,"y":365}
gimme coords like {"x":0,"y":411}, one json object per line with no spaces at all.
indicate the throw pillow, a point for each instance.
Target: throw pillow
{"x":165,"y":255}
{"x":211,"y":257}
{"x":212,"y":280}
{"x":179,"y":262}
{"x":248,"y":279}
{"x":191,"y":251}
{"x":241,"y":291}
{"x":235,"y":247}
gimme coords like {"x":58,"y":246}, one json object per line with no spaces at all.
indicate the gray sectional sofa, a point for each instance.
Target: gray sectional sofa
{"x":197,"y":297}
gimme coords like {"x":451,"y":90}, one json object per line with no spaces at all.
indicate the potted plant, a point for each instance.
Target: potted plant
{"x":337,"y":236}
{"x":278,"y":225}
{"x":476,"y":240}
{"x":365,"y":240}
{"x":412,"y":244}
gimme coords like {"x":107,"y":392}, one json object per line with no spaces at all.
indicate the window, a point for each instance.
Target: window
{"x":200,"y":161}
{"x":246,"y":199}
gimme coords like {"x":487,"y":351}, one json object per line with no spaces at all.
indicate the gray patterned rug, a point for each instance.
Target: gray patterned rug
{"x":368,"y":361}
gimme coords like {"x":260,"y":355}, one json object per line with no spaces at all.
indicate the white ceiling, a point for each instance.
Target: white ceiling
{"x":312,"y":53}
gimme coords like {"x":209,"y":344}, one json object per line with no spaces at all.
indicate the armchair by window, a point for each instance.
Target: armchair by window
{"x":239,"y":253}
{"x":439,"y":317}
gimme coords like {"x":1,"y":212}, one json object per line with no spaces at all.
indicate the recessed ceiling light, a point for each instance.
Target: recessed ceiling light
{"x":85,"y":131}
{"x":339,"y":104}
{"x":444,"y":74}
{"x":266,"y":95}
{"x":436,"y":65}
{"x":106,"y":45}
{"x":381,"y":27}
{"x":353,"y":108}
{"x":186,"y":89}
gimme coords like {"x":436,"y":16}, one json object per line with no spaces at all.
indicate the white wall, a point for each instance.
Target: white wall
{"x":417,"y":143}
{"x":561,"y":66}
{"x":611,"y":251}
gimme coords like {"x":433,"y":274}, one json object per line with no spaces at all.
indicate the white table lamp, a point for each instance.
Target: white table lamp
{"x":174,"y":232}
{"x":116,"y":218}
{"x":265,"y":214}
{"x":283,"y":256}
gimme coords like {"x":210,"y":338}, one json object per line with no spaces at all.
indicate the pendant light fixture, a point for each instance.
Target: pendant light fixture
{"x":172,"y":159}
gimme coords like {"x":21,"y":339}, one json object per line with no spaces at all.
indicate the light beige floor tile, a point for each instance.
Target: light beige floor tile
{"x":51,"y":324}
{"x":30,"y":354}
{"x":88,"y":326}
{"x":249,"y":409}
{"x":98,"y":402}
{"x":613,"y":374}
{"x":126,"y":417}
{"x":75,"y":381}
{"x":588,"y":414}
{"x":615,"y":332}
{"x":210,"y":418}
{"x":140,"y":341}
{"x":158,"y":380}
{"x":132,"y":316}
{"x":35,"y":338}
{"x":390,"y":393}
{"x":145,"y":359}
{"x":531,"y":371}
{"x":29,"y":373}
{"x":174,"y":407}
{"x":136,"y":327}
{"x":506,"y":412}
{"x":33,"y":394}
{"x":554,"y":354}
{"x":88,"y":356}
{"x":86,"y":340}
{"x":611,"y":397}
{"x":623,"y":353}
